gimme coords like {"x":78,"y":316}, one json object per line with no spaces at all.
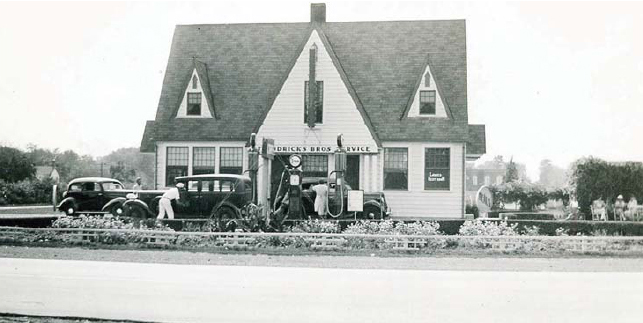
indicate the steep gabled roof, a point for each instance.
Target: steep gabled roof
{"x":476,"y":140}
{"x":248,"y":63}
{"x":417,"y":86}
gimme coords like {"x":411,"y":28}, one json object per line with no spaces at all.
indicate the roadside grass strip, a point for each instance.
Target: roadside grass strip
{"x":422,"y":244}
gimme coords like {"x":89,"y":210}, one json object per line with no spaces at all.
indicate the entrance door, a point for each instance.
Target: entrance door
{"x":352,"y":171}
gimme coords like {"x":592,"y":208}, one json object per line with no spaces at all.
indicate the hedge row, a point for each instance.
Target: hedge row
{"x":30,"y":191}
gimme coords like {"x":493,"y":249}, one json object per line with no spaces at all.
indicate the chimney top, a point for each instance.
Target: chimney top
{"x":318,"y":13}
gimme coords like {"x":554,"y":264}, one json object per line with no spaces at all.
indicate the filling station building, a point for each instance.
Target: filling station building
{"x":396,"y":90}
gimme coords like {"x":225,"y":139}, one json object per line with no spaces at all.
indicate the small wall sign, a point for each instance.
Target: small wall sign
{"x":355,"y":201}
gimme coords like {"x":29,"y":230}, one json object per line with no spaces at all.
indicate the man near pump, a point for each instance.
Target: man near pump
{"x":632,"y":209}
{"x":138,"y":186}
{"x":165,"y":204}
{"x":321,"y":191}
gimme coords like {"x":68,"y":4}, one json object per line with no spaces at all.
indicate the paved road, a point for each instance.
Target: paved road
{"x":191,"y":293}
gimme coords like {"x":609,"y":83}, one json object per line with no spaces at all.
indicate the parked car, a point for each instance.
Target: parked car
{"x":375,"y":206}
{"x":91,"y":194}
{"x":220,"y":197}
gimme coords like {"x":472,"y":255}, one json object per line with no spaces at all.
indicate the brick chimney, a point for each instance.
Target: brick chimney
{"x":317,"y":13}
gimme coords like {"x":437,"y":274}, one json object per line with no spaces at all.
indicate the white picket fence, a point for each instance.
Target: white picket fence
{"x":332,"y":241}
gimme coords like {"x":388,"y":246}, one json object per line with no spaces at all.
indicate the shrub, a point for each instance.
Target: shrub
{"x":316,"y":226}
{"x":28,"y":191}
{"x":487,"y":228}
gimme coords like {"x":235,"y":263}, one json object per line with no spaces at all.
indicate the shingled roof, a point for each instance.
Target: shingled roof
{"x":248,"y":63}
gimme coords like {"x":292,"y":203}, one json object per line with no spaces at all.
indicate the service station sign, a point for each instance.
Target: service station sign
{"x":323,"y":149}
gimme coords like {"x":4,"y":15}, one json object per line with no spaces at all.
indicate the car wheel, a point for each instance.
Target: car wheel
{"x":118,"y":210}
{"x":136,"y":212}
{"x":225,"y":217}
{"x":372,"y":212}
{"x":70,"y":209}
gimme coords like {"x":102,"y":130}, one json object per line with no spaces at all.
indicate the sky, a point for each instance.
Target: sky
{"x":556,"y":80}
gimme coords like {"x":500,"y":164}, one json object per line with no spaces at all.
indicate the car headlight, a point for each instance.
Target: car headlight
{"x":131,"y":196}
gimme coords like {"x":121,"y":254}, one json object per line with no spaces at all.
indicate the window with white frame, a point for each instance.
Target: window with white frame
{"x":231,"y":160}
{"x":176,"y":164}
{"x":437,"y":169}
{"x":427,"y":102}
{"x":475,"y":179}
{"x":203,"y":159}
{"x":314,"y":165}
{"x":194,"y":104}
{"x":396,"y":168}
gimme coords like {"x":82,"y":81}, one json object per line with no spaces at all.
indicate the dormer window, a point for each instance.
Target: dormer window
{"x":194,"y":80}
{"x":194,"y":104}
{"x":427,"y":102}
{"x":427,"y":80}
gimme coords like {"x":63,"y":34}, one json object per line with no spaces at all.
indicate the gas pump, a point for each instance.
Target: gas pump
{"x":340,"y":170}
{"x":294,"y":187}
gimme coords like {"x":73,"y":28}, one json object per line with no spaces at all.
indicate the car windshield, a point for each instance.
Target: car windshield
{"x":110,"y":186}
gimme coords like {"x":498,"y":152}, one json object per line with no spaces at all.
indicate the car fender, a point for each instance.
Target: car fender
{"x":113,"y":202}
{"x":138,"y":203}
{"x":66,"y":201}
{"x":374,"y":203}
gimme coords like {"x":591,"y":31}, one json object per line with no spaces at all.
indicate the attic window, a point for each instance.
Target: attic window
{"x":427,"y":102}
{"x":427,"y":79}
{"x":194,"y":104}
{"x":194,"y":79}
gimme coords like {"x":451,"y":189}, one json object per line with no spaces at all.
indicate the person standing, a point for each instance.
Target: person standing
{"x":138,"y":186}
{"x":321,"y":190}
{"x":165,"y":204}
{"x":632,"y":209}
{"x":619,"y":207}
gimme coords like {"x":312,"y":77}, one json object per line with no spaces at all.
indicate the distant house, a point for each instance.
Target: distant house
{"x":43,"y":172}
{"x":396,"y":90}
{"x":478,"y":177}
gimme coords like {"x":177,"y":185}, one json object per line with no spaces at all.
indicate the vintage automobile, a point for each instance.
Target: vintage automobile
{"x":375,"y":206}
{"x":92,"y":194}
{"x":221,"y":197}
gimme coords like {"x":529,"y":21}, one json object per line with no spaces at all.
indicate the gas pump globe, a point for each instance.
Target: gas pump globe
{"x":294,"y":187}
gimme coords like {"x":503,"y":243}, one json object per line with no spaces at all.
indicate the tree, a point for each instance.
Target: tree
{"x":132,"y":160}
{"x":551,"y":176}
{"x":15,"y":165}
{"x":511,"y":175}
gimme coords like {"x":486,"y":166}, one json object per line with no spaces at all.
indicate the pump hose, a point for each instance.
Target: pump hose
{"x":341,"y":200}
{"x":281,"y":181}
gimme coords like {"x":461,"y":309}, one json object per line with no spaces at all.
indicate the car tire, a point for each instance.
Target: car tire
{"x":69,"y":209}
{"x":372,"y":212}
{"x":117,"y":210}
{"x":223,"y":216}
{"x":137,"y":212}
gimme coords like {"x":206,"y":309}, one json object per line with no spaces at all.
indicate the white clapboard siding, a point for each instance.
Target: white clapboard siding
{"x":161,"y":152}
{"x":420,"y":203}
{"x":285,"y":120}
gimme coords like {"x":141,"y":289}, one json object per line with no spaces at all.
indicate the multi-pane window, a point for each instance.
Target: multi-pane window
{"x":314,"y":165}
{"x":487,"y":180}
{"x":437,"y":169}
{"x":427,"y":102}
{"x":319,"y":107}
{"x":231,"y":160}
{"x":194,"y":104}
{"x":177,"y":164}
{"x":475,"y":180}
{"x":396,"y":168}
{"x":203,"y":160}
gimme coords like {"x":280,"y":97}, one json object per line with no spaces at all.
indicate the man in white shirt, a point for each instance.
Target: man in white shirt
{"x":165,"y":204}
